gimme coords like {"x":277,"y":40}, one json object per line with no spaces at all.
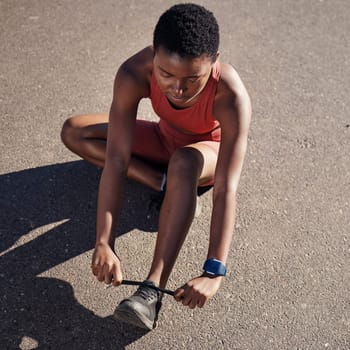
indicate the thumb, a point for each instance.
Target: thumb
{"x":179,"y":294}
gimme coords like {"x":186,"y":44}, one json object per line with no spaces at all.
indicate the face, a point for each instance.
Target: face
{"x":181,"y":79}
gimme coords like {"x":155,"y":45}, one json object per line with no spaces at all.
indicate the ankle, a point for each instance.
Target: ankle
{"x":153,"y":278}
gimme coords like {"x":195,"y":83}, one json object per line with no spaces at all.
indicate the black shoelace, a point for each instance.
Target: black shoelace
{"x":139,"y":283}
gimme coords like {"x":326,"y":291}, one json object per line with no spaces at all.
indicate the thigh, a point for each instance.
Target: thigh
{"x":90,"y":125}
{"x":149,"y":143}
{"x":209,"y":151}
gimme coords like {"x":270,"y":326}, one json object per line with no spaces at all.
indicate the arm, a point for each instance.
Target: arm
{"x":234,"y":115}
{"x":233,"y":110}
{"x":127,"y":94}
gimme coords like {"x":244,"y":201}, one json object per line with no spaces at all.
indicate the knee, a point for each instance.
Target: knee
{"x":69,"y":132}
{"x":186,"y":163}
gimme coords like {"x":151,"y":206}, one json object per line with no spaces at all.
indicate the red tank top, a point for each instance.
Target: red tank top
{"x":196,"y":119}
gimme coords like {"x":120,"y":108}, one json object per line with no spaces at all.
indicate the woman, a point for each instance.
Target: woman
{"x":200,"y":139}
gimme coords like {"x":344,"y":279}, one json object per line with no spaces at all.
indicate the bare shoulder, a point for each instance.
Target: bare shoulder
{"x":230,"y":82}
{"x":136,"y":72}
{"x":232,"y":98}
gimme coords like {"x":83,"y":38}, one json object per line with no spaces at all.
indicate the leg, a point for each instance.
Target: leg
{"x":86,"y":135}
{"x":189,"y":167}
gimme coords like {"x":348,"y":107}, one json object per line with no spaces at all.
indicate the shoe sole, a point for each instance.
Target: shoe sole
{"x":198,"y":210}
{"x":128,"y":315}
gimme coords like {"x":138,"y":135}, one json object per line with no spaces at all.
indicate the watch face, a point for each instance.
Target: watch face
{"x":215,"y":267}
{"x":210,"y":270}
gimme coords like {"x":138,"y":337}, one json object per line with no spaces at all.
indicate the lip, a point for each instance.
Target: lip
{"x":180,"y":98}
{"x":177,"y":99}
{"x":183,"y":99}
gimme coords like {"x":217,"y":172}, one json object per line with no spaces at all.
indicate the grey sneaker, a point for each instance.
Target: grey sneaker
{"x":141,"y":309}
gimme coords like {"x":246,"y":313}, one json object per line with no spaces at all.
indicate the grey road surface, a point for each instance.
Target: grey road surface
{"x":289,"y":273}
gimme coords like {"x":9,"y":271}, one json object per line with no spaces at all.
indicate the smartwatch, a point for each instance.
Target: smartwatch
{"x":214,"y":267}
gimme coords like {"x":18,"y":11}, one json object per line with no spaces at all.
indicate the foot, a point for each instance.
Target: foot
{"x":141,"y":309}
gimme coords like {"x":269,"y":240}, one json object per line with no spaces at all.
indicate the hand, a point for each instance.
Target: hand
{"x":106,"y":265}
{"x":198,"y":291}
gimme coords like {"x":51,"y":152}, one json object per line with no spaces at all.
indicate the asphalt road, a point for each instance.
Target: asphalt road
{"x":289,"y":280}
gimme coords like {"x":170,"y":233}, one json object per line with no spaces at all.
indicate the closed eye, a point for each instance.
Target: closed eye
{"x":193,"y":80}
{"x":165,"y":75}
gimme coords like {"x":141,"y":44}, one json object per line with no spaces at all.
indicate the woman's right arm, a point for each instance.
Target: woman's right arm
{"x":126,"y":97}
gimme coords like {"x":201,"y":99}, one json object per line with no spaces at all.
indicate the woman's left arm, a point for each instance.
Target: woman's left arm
{"x":234,"y":114}
{"x":233,"y":110}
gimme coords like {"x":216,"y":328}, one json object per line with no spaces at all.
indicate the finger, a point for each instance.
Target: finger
{"x":95,"y":260}
{"x":107,"y":278}
{"x":186,"y":299}
{"x":107,"y":273}
{"x":95,"y":270}
{"x":100,"y":274}
{"x":194,"y":301}
{"x":95,"y":265}
{"x":192,"y":305}
{"x":178,"y":294}
{"x":117,"y":282}
{"x":202,"y":302}
{"x":117,"y":276}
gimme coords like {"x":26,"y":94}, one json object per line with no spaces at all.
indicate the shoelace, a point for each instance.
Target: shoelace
{"x":146,"y":293}
{"x":138,"y":283}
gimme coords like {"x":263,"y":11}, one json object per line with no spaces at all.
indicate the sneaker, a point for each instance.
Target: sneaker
{"x":198,"y":210}
{"x":141,"y":309}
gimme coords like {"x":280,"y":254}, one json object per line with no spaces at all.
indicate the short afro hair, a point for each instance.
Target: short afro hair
{"x":188,"y":30}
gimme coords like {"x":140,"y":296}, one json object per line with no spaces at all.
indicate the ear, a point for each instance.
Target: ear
{"x":217,"y":56}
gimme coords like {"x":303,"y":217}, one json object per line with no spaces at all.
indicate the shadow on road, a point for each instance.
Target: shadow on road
{"x":45,"y":309}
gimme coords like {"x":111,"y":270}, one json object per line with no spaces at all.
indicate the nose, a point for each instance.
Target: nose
{"x":179,"y":88}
